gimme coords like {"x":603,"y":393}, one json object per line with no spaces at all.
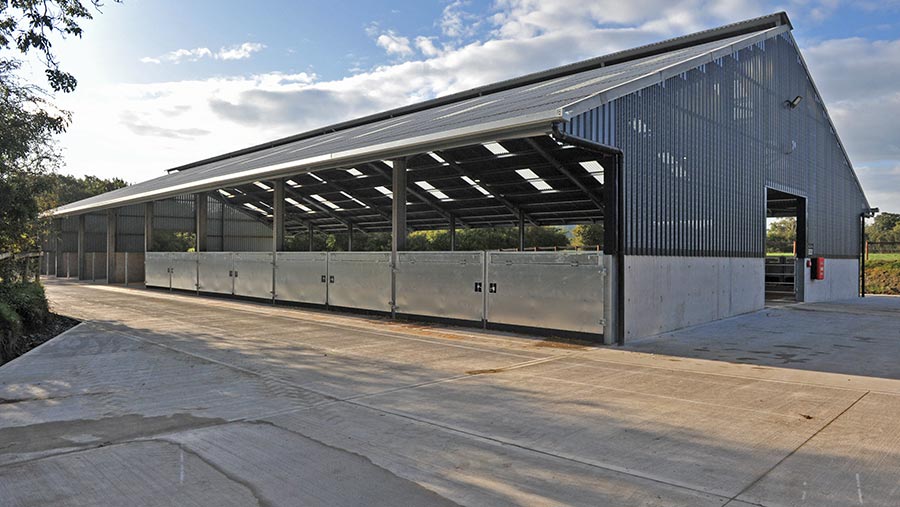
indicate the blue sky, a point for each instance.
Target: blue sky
{"x":166,"y":82}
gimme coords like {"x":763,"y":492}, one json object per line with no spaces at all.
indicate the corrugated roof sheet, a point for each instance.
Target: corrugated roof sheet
{"x":533,"y":103}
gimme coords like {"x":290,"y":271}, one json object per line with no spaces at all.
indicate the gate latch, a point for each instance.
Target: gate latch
{"x":477,"y":286}
{"x":492,"y":288}
{"x":323,"y":279}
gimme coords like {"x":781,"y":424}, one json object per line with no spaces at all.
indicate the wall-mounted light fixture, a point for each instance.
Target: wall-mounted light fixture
{"x":792,"y":104}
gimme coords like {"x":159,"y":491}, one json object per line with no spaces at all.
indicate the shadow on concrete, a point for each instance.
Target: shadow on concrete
{"x":559,"y":431}
{"x":853,"y":337}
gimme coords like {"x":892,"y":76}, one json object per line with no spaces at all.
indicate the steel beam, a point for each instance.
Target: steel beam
{"x":418,"y":195}
{"x":597,"y":200}
{"x":340,"y":187}
{"x":513,"y":208}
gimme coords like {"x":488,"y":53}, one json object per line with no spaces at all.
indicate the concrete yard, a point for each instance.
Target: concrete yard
{"x":172,"y":399}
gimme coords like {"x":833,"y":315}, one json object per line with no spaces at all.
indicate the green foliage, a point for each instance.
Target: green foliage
{"x":10,"y":323}
{"x":62,"y":189}
{"x":30,"y":24}
{"x":886,"y":227}
{"x":588,"y":235}
{"x":28,"y":301}
{"x":27,"y":127}
{"x":781,"y":236}
{"x":172,"y":241}
{"x":23,"y":309}
{"x":436,"y":240}
{"x":883,"y":276}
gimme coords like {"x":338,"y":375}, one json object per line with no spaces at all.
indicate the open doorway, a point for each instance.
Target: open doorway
{"x":785,"y":243}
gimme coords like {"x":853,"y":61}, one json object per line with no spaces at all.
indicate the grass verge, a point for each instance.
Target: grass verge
{"x":883,"y":275}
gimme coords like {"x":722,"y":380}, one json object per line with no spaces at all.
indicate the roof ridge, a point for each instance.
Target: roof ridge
{"x":656,"y":48}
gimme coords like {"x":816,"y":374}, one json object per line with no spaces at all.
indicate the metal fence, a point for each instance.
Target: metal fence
{"x":549,"y":290}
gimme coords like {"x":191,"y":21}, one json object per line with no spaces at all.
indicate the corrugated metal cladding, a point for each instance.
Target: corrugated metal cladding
{"x":68,"y":236}
{"x":238,"y":232}
{"x":130,"y":228}
{"x":701,"y":148}
{"x":95,"y":232}
{"x":175,"y":214}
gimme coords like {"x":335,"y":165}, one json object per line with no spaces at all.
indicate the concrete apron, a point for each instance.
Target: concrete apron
{"x":165,"y":399}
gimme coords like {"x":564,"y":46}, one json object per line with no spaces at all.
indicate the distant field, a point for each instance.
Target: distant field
{"x":884,"y":256}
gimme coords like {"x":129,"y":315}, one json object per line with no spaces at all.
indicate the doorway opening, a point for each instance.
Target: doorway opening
{"x":785,"y":245}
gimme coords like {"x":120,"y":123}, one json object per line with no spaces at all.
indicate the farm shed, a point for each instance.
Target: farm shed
{"x":681,"y":149}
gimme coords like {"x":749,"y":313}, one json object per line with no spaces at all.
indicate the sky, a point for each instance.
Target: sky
{"x":167,"y":82}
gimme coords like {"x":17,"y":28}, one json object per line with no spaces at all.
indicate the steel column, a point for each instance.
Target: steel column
{"x":398,"y":206}
{"x":277,"y":216}
{"x":148,"y":226}
{"x":521,"y":231}
{"x":452,"y":233}
{"x":309,"y":231}
{"x":201,"y":213}
{"x":81,"y":245}
{"x":349,"y":237}
{"x":112,"y":216}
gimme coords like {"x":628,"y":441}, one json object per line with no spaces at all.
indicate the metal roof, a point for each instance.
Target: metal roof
{"x":520,"y":108}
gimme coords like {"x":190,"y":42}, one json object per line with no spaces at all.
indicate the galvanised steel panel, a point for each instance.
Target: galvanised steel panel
{"x":441,"y":284}
{"x":184,"y":270}
{"x":216,"y":272}
{"x":253,"y":274}
{"x":301,"y":277}
{"x":360,"y":280}
{"x":156,"y":270}
{"x":550,"y":290}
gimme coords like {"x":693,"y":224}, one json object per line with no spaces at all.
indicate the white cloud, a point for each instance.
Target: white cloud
{"x":240,"y":52}
{"x":394,"y":44}
{"x":237,"y":52}
{"x":456,"y":22}
{"x":858,"y":79}
{"x":427,"y":47}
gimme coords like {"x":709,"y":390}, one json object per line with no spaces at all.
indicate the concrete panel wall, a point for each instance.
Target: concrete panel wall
{"x":841,"y":281}
{"x":135,"y":267}
{"x":667,"y":293}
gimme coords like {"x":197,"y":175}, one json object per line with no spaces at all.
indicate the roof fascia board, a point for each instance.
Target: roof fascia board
{"x":723,"y":32}
{"x":525,"y":126}
{"x":595,"y":100}
{"x":834,"y":130}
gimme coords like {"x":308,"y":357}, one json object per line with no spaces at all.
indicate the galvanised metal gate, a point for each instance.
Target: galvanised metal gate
{"x":549,"y":290}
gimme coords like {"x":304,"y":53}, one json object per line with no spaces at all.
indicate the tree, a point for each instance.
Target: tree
{"x":588,"y":235}
{"x":781,"y":236}
{"x":63,"y":189}
{"x":28,"y":121}
{"x":886,"y":227}
{"x":27,"y":127}
{"x":30,"y":24}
